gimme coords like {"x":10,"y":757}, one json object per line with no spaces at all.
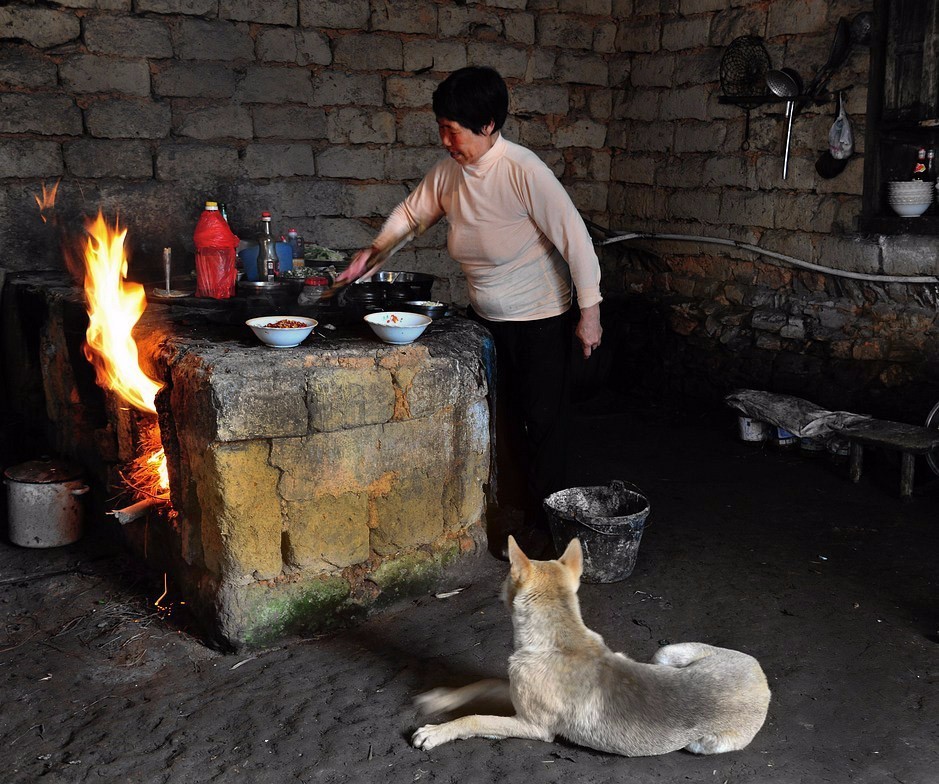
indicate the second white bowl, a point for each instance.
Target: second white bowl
{"x":397,"y":327}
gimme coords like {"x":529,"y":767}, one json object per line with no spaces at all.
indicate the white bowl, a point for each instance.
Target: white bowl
{"x":910,"y":200}
{"x":398,"y":327}
{"x":908,"y":188}
{"x":910,"y":210}
{"x":281,"y":337}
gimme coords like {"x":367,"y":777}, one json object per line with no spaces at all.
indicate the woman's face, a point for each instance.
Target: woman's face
{"x":464,"y":146}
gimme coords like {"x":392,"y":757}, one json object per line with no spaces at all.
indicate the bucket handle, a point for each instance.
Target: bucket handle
{"x":617,"y":486}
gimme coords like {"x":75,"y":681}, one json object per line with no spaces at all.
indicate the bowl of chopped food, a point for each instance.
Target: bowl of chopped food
{"x":397,"y":327}
{"x":282,"y":331}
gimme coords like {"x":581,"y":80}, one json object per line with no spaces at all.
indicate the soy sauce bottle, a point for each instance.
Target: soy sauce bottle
{"x":267,"y":250}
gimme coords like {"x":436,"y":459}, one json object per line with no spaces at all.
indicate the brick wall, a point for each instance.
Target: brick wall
{"x":319,"y":112}
{"x":702,"y":318}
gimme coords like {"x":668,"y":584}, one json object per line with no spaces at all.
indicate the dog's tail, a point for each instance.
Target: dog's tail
{"x":443,"y":700}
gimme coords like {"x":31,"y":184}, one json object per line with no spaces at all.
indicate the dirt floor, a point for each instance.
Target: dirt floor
{"x":831,"y":585}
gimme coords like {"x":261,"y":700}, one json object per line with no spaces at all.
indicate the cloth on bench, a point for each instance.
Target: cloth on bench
{"x":800,"y":417}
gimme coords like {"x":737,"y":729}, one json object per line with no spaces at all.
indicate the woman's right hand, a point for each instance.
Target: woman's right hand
{"x":357,"y":267}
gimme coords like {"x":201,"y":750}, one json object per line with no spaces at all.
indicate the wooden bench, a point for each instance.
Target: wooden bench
{"x":908,"y":440}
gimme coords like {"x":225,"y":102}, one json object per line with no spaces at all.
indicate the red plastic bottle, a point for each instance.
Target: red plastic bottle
{"x":215,"y":255}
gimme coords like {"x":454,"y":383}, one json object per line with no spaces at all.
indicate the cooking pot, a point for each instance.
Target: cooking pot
{"x":405,"y":285}
{"x":43,"y":504}
{"x":386,"y":286}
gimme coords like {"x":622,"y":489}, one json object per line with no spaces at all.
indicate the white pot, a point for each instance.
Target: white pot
{"x":43,"y":503}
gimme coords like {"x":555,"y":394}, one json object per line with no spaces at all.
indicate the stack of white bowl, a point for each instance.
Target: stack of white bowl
{"x":910,"y":199}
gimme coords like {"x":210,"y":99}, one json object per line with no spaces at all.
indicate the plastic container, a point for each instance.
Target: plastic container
{"x":249,"y":258}
{"x":812,"y":445}
{"x":295,"y":241}
{"x":785,"y":439}
{"x":216,"y":276}
{"x":752,"y":430}
{"x":313,"y":289}
{"x":608,"y":521}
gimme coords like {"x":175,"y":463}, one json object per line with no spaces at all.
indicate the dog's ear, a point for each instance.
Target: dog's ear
{"x":518,"y":561}
{"x":573,"y":558}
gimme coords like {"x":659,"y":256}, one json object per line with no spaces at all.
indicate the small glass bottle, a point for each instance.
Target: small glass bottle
{"x":267,"y":250}
{"x":931,"y":165}
{"x":919,"y":168}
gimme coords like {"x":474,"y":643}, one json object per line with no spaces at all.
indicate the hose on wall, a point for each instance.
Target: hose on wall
{"x":617,"y":236}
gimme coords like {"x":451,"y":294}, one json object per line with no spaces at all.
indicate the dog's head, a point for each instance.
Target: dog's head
{"x":563,"y":573}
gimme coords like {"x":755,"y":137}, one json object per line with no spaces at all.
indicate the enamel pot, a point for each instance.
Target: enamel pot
{"x":44,"y":506}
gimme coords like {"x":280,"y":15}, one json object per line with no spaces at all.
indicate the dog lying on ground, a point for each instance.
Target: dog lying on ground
{"x":563,"y":680}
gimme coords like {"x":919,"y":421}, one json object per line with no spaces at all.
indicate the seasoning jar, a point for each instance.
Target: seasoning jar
{"x":313,"y":288}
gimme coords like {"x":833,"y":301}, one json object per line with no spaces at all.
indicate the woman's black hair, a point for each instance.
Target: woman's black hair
{"x":473,"y":97}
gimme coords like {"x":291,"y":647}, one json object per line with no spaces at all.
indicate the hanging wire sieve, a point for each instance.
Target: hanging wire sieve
{"x":743,"y":76}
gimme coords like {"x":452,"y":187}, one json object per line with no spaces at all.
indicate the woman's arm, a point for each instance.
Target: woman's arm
{"x":420,"y":210}
{"x":552,"y":210}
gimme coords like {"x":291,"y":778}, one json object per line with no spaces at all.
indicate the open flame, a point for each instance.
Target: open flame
{"x":115,"y":305}
{"x":47,"y":202}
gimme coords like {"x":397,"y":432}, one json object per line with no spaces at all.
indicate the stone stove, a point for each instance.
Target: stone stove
{"x":308,"y":484}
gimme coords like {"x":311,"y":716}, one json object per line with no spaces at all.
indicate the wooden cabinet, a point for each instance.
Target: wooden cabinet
{"x":902,"y":109}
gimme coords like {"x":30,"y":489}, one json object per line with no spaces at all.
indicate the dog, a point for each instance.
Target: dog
{"x":564,"y":681}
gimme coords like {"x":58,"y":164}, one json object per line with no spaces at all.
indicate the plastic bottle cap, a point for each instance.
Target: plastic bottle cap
{"x":211,"y":205}
{"x":265,"y":215}
{"x":291,"y":231}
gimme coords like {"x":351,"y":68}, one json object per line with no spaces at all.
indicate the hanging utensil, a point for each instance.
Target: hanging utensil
{"x":743,"y":76}
{"x":840,"y":47}
{"x":785,"y":83}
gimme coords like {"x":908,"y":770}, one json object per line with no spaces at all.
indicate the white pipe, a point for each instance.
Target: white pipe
{"x":620,"y":237}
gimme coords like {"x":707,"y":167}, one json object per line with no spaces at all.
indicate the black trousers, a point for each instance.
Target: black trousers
{"x":532,"y":410}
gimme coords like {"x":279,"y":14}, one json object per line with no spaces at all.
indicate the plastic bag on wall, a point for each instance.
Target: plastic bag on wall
{"x":841,"y":136}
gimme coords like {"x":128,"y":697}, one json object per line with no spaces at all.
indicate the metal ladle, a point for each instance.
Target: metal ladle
{"x":784,"y":83}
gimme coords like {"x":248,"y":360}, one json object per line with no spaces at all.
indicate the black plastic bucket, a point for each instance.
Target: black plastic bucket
{"x":607,"y":520}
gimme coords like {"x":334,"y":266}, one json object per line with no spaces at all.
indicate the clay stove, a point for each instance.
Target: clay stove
{"x":307,"y":485}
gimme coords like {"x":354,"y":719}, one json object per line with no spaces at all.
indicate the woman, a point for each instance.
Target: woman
{"x":521,"y":243}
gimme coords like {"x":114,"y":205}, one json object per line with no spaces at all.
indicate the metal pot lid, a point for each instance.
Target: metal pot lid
{"x":43,"y":471}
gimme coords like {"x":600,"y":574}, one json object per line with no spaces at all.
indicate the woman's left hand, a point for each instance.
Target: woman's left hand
{"x":588,"y":330}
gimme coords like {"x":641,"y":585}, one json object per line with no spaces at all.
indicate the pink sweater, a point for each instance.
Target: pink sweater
{"x":514,"y":230}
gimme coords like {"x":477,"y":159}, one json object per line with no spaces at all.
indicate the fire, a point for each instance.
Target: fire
{"x":47,"y":202}
{"x":148,"y":476}
{"x":115,"y":305}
